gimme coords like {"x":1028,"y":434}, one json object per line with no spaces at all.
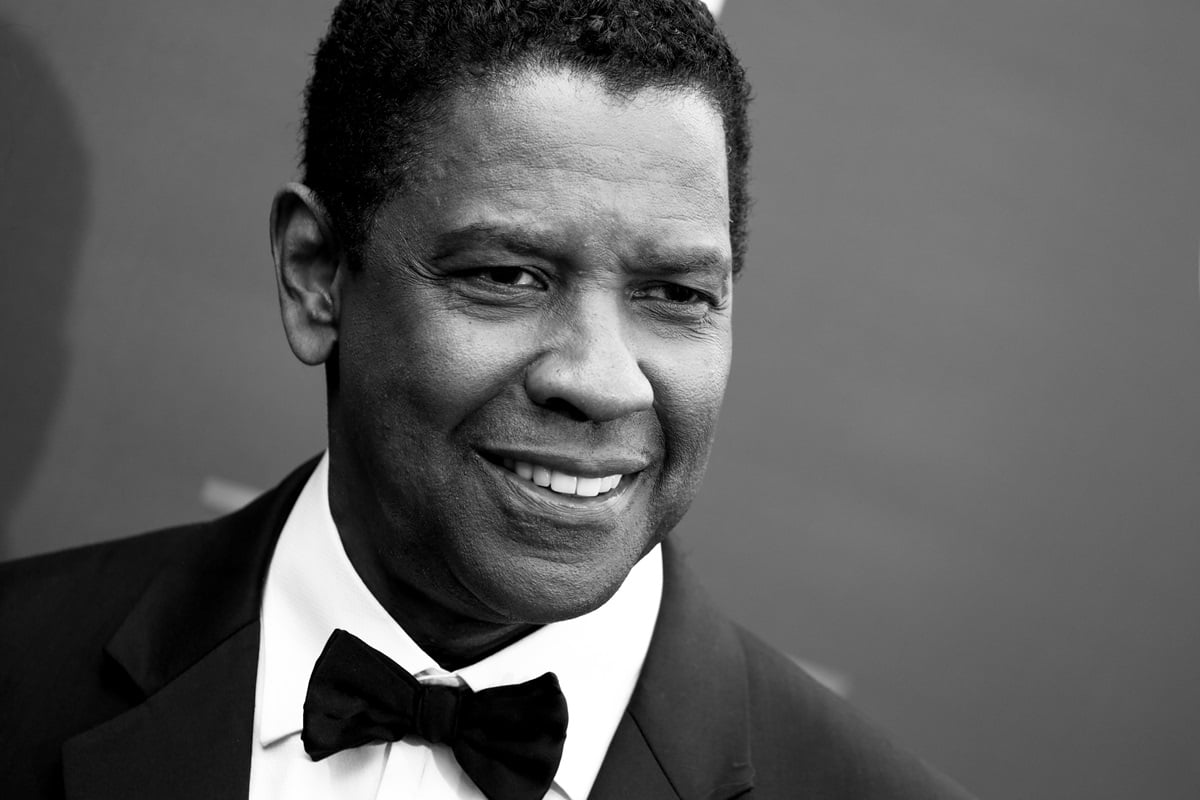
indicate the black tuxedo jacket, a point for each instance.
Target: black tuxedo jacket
{"x":127,"y":670}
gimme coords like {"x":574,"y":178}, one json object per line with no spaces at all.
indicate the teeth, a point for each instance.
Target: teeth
{"x":587,"y":487}
{"x":563,"y":482}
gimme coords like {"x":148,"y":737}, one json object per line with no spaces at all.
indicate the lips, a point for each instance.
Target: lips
{"x":561,"y":481}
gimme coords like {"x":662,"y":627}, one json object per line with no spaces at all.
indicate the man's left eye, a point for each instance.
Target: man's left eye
{"x":508,"y":276}
{"x":675,"y":293}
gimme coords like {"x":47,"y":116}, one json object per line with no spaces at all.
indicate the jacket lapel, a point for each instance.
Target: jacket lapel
{"x":686,"y":731}
{"x":189,"y":739}
{"x":190,"y":645}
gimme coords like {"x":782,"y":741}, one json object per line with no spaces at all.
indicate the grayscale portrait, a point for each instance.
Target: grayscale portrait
{"x":379,"y":424}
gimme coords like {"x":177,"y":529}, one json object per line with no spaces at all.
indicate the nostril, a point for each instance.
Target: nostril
{"x":560,"y":406}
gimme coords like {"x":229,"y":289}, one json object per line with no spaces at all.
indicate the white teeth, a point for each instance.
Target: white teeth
{"x":563,"y":482}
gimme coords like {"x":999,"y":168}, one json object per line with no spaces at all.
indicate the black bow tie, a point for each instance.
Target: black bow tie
{"x":508,"y":739}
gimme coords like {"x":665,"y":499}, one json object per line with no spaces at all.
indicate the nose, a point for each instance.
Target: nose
{"x":591,"y":372}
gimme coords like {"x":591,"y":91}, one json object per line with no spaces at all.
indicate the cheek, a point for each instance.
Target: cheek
{"x":460,"y":364}
{"x":689,"y":390}
{"x":436,"y":364}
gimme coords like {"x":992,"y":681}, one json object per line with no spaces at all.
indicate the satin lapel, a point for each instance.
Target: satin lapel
{"x":191,"y":646}
{"x":191,"y":739}
{"x":630,"y":769}
{"x":686,"y":732}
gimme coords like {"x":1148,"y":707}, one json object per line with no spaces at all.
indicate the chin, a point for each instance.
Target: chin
{"x":542,"y":592}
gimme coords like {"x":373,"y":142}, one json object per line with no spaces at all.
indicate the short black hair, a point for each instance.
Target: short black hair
{"x":384,"y":67}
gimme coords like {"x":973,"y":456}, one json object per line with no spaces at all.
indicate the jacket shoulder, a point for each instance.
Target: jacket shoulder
{"x":88,"y":580}
{"x":57,"y":611}
{"x":807,"y":741}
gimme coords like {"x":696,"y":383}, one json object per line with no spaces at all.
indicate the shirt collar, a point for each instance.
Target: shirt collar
{"x":312,"y":588}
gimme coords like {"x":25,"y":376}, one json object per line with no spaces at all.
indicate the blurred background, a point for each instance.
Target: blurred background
{"x":959,"y":467}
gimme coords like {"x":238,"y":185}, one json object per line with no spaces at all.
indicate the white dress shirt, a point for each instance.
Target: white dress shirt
{"x":312,"y":589}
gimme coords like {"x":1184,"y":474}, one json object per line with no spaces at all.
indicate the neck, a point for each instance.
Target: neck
{"x":451,"y":638}
{"x":416,"y":587}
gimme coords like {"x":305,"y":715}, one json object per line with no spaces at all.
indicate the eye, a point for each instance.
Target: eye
{"x":675,"y":293}
{"x":507,"y":276}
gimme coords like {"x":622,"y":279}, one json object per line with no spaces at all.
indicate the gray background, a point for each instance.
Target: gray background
{"x":958,"y":464}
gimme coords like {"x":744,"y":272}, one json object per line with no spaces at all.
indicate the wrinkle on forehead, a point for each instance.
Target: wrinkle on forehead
{"x":688,"y":124}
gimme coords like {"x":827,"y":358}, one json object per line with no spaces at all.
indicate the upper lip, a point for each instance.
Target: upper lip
{"x":588,"y":465}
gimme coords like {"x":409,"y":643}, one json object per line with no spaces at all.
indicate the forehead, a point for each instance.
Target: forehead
{"x":679,"y":128}
{"x":559,"y":150}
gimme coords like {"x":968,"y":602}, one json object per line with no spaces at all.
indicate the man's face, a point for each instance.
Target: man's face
{"x":549,"y":301}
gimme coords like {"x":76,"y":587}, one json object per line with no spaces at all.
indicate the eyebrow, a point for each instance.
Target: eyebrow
{"x":651,"y":257}
{"x":684,"y":261}
{"x":517,"y":239}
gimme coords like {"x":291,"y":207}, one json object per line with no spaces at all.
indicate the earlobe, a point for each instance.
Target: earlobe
{"x":308,"y":272}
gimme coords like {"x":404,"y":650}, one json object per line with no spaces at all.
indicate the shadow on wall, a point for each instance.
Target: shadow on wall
{"x":43,"y":214}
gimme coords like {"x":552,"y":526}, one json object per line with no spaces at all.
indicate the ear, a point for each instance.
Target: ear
{"x":309,"y":272}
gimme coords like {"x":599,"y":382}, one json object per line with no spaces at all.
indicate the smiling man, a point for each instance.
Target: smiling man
{"x":530,"y":355}
{"x":513,"y":251}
